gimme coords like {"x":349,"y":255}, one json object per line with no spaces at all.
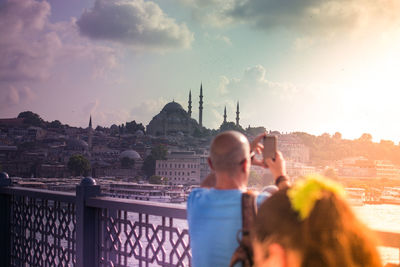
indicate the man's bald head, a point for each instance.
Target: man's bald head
{"x":228,"y":149}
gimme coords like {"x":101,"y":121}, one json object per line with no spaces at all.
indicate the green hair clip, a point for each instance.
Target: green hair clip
{"x":306,"y":192}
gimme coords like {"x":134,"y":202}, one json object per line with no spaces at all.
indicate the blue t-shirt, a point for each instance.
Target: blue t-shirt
{"x":214,"y":218}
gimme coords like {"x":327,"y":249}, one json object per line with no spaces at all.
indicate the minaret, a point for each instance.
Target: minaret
{"x":190,"y":104}
{"x":237,"y":114}
{"x":225,"y":115}
{"x":90,"y":122}
{"x":201,"y":106}
{"x":90,"y":133}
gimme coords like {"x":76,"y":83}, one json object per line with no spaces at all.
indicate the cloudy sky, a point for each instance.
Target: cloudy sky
{"x":304,"y":65}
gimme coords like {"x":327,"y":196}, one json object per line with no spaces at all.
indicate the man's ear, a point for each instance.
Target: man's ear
{"x":210,"y":163}
{"x":245,"y":165}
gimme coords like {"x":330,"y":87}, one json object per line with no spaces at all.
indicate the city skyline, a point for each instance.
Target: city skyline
{"x":304,"y":66}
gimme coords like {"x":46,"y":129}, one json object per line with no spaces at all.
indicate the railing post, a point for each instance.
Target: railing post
{"x":87,"y":242}
{"x":5,"y":219}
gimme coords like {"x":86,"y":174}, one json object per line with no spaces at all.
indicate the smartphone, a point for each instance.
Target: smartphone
{"x":270,"y":147}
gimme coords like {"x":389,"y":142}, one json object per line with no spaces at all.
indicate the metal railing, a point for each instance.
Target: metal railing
{"x":148,"y":233}
{"x":48,"y":228}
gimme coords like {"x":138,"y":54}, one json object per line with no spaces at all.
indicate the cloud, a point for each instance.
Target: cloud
{"x":90,"y":108}
{"x":102,"y":115}
{"x":107,"y":117}
{"x":309,"y":17}
{"x":253,"y":83}
{"x":36,"y":49}
{"x":26,"y":49}
{"x":12,"y":96}
{"x":145,"y":111}
{"x":303,"y":43}
{"x":257,"y":95}
{"x":141,"y":113}
{"x":219,"y":38}
{"x":136,"y":23}
{"x":102,"y":58}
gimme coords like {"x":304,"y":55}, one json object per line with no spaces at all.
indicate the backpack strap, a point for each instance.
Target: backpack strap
{"x":244,"y":253}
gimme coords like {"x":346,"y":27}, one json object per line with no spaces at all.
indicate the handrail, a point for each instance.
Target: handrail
{"x":388,"y":239}
{"x":138,"y":206}
{"x":176,"y":211}
{"x":39,"y":193}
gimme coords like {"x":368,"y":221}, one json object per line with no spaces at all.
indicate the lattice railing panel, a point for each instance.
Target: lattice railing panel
{"x":42,"y":232}
{"x":132,"y":239}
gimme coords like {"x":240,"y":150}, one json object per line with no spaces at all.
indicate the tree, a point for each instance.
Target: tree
{"x":99,"y":128}
{"x":127,"y":163}
{"x":337,"y":136}
{"x":158,"y":152}
{"x":121,"y":129}
{"x":78,"y":165}
{"x":132,"y":127}
{"x":31,"y":118}
{"x":366,"y":137}
{"x":255,"y":130}
{"x":149,"y":165}
{"x":114,"y":129}
{"x":155,"y":179}
{"x":55,"y":124}
{"x":197,"y":133}
{"x":230,"y":126}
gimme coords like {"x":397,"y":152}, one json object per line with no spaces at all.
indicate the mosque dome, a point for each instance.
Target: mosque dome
{"x":76,"y":144}
{"x":173,"y":118}
{"x":139,"y":133}
{"x":172,"y":107}
{"x":131,"y":154}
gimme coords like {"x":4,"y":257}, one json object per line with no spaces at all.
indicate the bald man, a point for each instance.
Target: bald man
{"x":214,"y":213}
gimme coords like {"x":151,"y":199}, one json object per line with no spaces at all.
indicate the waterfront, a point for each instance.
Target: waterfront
{"x":384,"y":217}
{"x":130,"y":232}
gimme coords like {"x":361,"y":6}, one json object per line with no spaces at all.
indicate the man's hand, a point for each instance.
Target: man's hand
{"x":278,"y":170}
{"x":256,"y":147}
{"x":277,"y":166}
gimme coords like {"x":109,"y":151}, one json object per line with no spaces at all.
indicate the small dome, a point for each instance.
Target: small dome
{"x":139,"y":133}
{"x":172,"y":107}
{"x":132,"y":154}
{"x":73,"y":144}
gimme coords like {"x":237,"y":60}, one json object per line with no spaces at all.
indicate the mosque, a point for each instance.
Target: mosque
{"x":173,"y":119}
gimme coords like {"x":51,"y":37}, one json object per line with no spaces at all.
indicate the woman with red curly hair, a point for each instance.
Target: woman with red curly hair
{"x":311,"y":225}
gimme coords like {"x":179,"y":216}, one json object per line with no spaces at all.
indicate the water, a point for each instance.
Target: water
{"x":383,"y":217}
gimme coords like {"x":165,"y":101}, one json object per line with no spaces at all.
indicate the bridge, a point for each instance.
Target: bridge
{"x":50,"y":228}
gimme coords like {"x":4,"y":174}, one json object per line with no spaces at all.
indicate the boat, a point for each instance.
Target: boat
{"x":355,"y":196}
{"x":147,"y":192}
{"x":390,"y":195}
{"x":176,"y":193}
